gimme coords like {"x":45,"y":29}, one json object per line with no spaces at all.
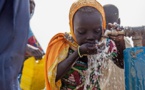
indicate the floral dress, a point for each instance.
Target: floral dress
{"x":86,"y":72}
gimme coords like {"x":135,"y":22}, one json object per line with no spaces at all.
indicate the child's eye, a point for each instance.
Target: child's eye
{"x":97,"y":30}
{"x":81,"y":31}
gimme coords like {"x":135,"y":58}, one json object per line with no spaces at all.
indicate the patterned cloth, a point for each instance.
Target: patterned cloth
{"x":85,"y":74}
{"x":33,"y":41}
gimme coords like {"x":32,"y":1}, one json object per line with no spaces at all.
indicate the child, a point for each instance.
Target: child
{"x":115,"y":78}
{"x":76,"y":60}
{"x":112,"y":16}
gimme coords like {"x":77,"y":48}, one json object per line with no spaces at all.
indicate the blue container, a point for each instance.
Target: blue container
{"x":134,"y":67}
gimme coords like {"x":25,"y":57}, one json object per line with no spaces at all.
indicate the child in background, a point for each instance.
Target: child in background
{"x":114,"y":79}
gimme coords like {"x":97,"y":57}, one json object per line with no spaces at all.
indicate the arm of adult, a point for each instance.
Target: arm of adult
{"x":34,"y":51}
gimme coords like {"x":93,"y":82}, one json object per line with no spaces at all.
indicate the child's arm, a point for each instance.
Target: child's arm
{"x":66,"y":64}
{"x":120,"y":44}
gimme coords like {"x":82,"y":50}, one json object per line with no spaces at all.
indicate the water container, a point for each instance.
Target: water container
{"x":134,"y":67}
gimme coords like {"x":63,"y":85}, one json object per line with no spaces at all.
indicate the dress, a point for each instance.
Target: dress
{"x":14,"y":26}
{"x":87,"y":74}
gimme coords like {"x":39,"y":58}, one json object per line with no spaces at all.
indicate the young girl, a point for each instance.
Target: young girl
{"x":77,"y":60}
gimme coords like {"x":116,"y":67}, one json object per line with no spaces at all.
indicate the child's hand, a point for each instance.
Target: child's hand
{"x":117,"y":38}
{"x":116,"y":27}
{"x":88,"y":49}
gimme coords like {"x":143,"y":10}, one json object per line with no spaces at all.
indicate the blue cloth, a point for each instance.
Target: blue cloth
{"x":30,"y":34}
{"x":134,"y":60}
{"x":14,"y":26}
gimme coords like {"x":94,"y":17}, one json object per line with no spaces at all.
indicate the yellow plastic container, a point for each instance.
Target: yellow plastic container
{"x":33,"y":75}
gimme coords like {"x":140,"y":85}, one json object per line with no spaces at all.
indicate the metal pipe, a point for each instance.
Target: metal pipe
{"x":136,"y":33}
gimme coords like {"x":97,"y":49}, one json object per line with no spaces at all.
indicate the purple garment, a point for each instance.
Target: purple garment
{"x":14,"y":26}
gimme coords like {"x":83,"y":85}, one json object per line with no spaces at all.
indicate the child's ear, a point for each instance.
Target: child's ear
{"x":119,"y":21}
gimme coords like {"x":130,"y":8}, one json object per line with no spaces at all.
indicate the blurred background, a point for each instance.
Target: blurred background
{"x":51,"y":16}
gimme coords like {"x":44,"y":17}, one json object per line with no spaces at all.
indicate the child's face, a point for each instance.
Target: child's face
{"x":87,"y":27}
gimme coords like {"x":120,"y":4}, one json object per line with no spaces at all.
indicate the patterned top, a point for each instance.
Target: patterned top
{"x":85,"y":73}
{"x":33,"y":41}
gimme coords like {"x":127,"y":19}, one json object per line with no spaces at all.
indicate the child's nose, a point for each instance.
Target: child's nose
{"x":91,"y":37}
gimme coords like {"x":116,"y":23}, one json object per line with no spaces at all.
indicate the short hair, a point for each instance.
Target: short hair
{"x":111,"y":13}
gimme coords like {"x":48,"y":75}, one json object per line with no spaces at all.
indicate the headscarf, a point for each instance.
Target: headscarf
{"x":81,"y":3}
{"x":58,"y":46}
